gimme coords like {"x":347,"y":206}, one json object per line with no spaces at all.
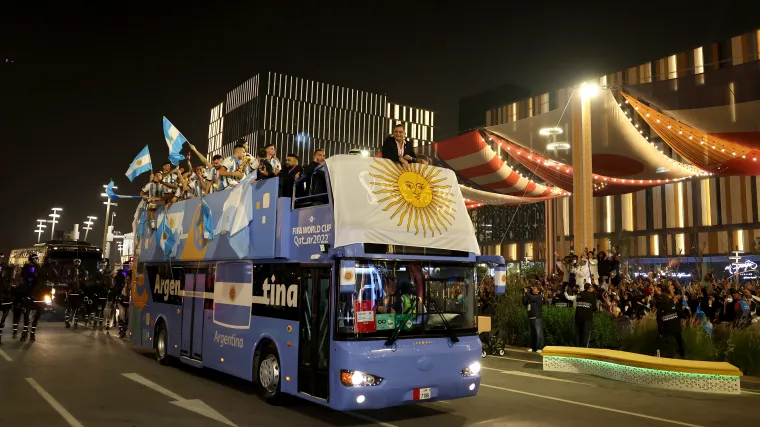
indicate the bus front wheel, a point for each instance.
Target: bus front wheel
{"x":268,"y":375}
{"x":162,"y":345}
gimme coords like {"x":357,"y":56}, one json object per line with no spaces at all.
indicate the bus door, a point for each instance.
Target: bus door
{"x":314,"y":333}
{"x":192,"y":315}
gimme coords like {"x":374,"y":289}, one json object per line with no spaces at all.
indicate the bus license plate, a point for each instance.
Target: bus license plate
{"x":422,"y":394}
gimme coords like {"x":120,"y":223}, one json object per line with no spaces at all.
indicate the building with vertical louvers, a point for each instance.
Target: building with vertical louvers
{"x":299,"y":115}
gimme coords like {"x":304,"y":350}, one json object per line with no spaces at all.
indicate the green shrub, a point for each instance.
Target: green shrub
{"x":559,"y":325}
{"x":744,"y":349}
{"x":642,"y":337}
{"x":698,"y":345}
{"x":606,"y":332}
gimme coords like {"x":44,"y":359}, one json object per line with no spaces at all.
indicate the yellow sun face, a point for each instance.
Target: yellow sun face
{"x":416,"y":195}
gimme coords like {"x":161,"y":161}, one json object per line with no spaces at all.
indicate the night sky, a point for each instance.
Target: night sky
{"x":87,"y":87}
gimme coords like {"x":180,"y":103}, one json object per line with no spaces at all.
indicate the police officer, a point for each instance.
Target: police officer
{"x":114,"y":291}
{"x":30,"y":294}
{"x":585,"y":306}
{"x":100,"y":288}
{"x":122,"y":301}
{"x":668,"y":322}
{"x":6,"y":295}
{"x":76,"y":279}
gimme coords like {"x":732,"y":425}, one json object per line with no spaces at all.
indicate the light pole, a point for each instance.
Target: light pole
{"x":90,"y":221}
{"x":108,"y":204}
{"x":54,"y":221}
{"x":40,"y":228}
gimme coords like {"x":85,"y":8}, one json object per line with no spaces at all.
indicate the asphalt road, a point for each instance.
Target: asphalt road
{"x":87,"y":378}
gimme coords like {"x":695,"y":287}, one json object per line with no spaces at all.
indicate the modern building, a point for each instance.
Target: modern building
{"x":710,"y":88}
{"x":298,"y":115}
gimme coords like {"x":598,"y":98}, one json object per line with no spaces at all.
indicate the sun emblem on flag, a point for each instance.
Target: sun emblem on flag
{"x":348,"y":275}
{"x":504,"y":278}
{"x":416,"y":194}
{"x":233,"y":293}
{"x":139,"y":162}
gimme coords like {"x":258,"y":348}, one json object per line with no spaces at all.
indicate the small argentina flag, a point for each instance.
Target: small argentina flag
{"x":233,"y":295}
{"x":140,"y":164}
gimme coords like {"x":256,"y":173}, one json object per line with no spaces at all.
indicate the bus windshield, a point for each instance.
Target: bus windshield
{"x":63,"y":262}
{"x":422,"y":298}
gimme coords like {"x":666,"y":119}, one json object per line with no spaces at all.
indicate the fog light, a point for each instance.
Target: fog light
{"x":472,"y":387}
{"x":360,"y":399}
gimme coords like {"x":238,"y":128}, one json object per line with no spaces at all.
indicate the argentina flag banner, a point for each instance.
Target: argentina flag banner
{"x":233,"y":295}
{"x":175,"y":140}
{"x":140,"y":164}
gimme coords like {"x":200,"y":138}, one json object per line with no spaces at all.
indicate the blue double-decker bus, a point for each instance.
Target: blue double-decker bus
{"x":361,"y":297}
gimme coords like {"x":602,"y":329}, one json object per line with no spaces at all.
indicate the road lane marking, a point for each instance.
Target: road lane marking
{"x":519,"y":360}
{"x":529,"y":375}
{"x":588,"y":405}
{"x":150,"y":384}
{"x":5,"y":356}
{"x":370,"y":419}
{"x":751,"y":392}
{"x":192,"y":405}
{"x":54,"y":403}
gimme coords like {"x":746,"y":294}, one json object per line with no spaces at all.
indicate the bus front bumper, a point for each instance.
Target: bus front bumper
{"x":387,"y":395}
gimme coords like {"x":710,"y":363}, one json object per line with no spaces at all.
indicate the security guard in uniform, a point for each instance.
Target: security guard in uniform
{"x":123,"y":300}
{"x":585,"y":306}
{"x":31,"y":297}
{"x":100,"y":288}
{"x":668,"y":322}
{"x":6,"y":295}
{"x":76,"y":279}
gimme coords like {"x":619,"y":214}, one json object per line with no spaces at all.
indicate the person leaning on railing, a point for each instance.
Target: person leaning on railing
{"x":397,"y":148}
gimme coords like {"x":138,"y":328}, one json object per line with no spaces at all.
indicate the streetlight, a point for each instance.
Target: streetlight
{"x":40,"y":228}
{"x":54,"y":221}
{"x":90,"y":221}
{"x":113,"y":214}
{"x":108,"y":204}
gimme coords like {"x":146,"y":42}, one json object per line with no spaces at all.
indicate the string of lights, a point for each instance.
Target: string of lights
{"x":709,"y":152}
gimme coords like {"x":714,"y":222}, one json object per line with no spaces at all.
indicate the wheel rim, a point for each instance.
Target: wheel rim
{"x":269,"y":373}
{"x":161,"y":345}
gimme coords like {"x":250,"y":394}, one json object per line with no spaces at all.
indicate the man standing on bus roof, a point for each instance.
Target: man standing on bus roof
{"x":272,"y":158}
{"x":397,"y":148}
{"x":316,"y":182}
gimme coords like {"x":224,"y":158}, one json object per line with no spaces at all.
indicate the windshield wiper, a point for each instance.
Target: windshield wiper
{"x":452,"y":335}
{"x":394,"y":335}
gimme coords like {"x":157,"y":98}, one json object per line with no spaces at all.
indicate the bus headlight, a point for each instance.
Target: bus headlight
{"x":48,"y":300}
{"x":472,"y":370}
{"x":358,"y":379}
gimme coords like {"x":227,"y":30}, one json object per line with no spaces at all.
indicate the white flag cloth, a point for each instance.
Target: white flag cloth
{"x":379,"y":201}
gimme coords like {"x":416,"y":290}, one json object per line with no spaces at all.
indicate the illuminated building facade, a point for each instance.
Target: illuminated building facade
{"x":710,"y":87}
{"x":298,"y":115}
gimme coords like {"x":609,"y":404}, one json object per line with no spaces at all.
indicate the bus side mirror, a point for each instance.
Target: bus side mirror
{"x":500,"y":280}
{"x":348,"y":277}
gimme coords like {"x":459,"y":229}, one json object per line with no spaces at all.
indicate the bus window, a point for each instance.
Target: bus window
{"x":420,"y":295}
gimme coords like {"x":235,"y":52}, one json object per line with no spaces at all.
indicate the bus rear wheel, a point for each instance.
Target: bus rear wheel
{"x":162,"y":345}
{"x":268,"y":375}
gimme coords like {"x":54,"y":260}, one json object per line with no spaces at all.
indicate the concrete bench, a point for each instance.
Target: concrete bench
{"x":672,"y":374}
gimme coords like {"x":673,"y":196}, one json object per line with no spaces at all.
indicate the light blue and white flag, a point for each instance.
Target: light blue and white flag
{"x":113,"y":196}
{"x":140,"y":164}
{"x":175,"y":140}
{"x":208,"y":221}
{"x":233,"y":295}
{"x":237,"y":214}
{"x":171,"y":230}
